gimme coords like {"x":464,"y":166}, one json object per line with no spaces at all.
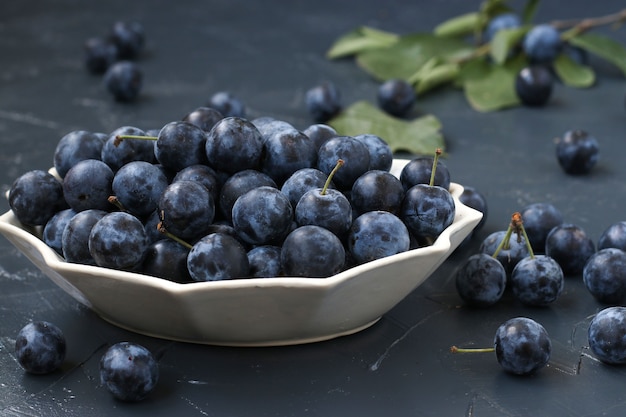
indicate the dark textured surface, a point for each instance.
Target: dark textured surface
{"x":269,"y":53}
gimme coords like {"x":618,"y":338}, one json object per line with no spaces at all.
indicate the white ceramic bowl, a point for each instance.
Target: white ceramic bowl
{"x":247,"y":312}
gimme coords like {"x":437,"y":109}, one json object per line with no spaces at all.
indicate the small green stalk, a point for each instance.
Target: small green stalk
{"x":331,"y":175}
{"x":162,"y":229}
{"x":517,"y":226}
{"x":455,"y":349}
{"x":434,"y":168}
{"x":120,"y":138}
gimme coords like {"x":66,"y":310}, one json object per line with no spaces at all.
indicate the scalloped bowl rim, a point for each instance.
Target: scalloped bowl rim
{"x":72,"y":278}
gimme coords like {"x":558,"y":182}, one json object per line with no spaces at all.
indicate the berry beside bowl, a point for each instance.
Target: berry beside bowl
{"x":247,"y":312}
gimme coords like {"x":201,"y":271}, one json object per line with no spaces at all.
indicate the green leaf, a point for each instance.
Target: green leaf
{"x":602,"y":46}
{"x":420,"y":136}
{"x":458,"y":26}
{"x":437,"y":76}
{"x":472,"y":69}
{"x":406,"y":56}
{"x":572,"y":73}
{"x":504,"y":41}
{"x":495,"y":89}
{"x":360,"y":39}
{"x":528,"y":14}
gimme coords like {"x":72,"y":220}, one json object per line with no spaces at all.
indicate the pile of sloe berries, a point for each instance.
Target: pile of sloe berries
{"x":210,"y":197}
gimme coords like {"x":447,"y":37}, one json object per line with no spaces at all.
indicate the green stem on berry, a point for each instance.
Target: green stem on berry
{"x":162,"y":229}
{"x":505,"y":242}
{"x":331,"y":175}
{"x":455,"y":349}
{"x":516,"y":225}
{"x":530,"y":249}
{"x":120,"y":138}
{"x":434,"y":168}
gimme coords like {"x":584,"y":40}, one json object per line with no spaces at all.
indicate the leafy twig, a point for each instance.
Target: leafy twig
{"x":578,"y":26}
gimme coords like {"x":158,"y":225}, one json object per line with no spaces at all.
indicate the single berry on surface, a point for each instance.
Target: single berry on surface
{"x":323,"y":101}
{"x":607,"y":335}
{"x":129,"y":371}
{"x":396,"y":97}
{"x":99,"y":54}
{"x":533,"y":86}
{"x":613,"y":236}
{"x":124,"y":80}
{"x":481,"y":280}
{"x":228,"y":104}
{"x":40,"y":347}
{"x":129,"y":37}
{"x":522,"y":346}
{"x":539,"y":219}
{"x":577,"y":152}
{"x":537,"y":281}
{"x":570,"y":246}
{"x":604,"y":276}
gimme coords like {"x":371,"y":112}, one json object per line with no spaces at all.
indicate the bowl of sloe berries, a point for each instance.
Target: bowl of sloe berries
{"x":233,"y":231}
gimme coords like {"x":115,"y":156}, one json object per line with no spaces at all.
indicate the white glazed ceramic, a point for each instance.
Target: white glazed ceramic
{"x":247,"y":312}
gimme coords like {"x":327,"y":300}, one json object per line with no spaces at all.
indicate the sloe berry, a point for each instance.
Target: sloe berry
{"x":522,"y":346}
{"x":129,"y":371}
{"x":40,"y":347}
{"x":36,"y":196}
{"x":607,"y":335}
{"x":604,"y":275}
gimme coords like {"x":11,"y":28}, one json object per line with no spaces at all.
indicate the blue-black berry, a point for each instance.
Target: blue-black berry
{"x":40,"y":347}
{"x":129,"y":371}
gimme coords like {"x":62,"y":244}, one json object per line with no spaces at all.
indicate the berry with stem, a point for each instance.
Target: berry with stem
{"x":428,"y":209}
{"x":522,"y":346}
{"x":536,"y":280}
